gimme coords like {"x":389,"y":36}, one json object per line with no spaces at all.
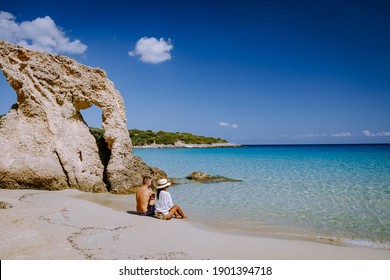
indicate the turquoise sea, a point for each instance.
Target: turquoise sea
{"x":328,"y":193}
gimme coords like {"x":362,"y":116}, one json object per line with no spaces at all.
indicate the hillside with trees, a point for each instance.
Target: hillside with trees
{"x":141,"y":137}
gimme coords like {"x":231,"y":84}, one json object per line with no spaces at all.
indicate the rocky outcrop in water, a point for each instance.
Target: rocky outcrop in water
{"x":206,"y":178}
{"x":44,"y":141}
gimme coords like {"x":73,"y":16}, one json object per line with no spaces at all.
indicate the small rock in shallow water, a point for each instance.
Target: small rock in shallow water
{"x":206,"y":178}
{"x":199,"y":176}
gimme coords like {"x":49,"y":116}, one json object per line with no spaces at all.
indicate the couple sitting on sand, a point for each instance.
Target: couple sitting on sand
{"x":163,"y":207}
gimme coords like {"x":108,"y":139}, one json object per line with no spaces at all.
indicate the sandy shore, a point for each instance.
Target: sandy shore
{"x":73,"y":225}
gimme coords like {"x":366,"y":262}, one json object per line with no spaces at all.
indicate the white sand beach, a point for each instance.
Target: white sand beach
{"x":73,"y":225}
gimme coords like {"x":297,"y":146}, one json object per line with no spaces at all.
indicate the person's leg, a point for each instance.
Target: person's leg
{"x":176,"y":215}
{"x":175,"y":209}
{"x":151,"y":210}
{"x":181,"y":213}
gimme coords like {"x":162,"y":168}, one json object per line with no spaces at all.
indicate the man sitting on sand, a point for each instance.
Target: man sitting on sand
{"x":164,"y":206}
{"x":144,"y":198}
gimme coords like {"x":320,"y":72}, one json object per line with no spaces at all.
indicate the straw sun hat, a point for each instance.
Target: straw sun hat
{"x":162,"y":183}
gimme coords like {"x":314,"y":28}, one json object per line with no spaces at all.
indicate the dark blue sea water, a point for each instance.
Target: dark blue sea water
{"x":338,"y":193}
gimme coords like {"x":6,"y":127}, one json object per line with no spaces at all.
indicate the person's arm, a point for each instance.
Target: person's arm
{"x":151,"y":197}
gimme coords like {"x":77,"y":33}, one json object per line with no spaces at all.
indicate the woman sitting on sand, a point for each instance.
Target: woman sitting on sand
{"x":164,"y":206}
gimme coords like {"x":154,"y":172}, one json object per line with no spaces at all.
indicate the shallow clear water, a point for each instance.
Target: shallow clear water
{"x":332,"y":193}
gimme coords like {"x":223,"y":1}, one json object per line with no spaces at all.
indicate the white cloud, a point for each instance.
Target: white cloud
{"x":342,"y":134}
{"x":367,"y":133}
{"x":308,"y":135}
{"x":312,"y":135}
{"x":228,"y":125}
{"x":224,"y":124}
{"x":152,"y":50}
{"x":39,"y":34}
{"x":371,"y":134}
{"x":383,"y":133}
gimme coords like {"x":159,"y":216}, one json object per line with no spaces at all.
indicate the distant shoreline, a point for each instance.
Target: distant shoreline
{"x":233,"y":145}
{"x":191,"y":146}
{"x":315,"y":145}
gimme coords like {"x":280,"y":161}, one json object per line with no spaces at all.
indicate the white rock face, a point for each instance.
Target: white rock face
{"x":44,"y":141}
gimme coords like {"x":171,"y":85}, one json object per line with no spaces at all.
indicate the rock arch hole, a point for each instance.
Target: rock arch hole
{"x":7,"y":96}
{"x":93,"y":119}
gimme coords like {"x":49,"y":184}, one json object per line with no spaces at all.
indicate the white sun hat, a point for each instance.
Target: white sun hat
{"x":162,"y":183}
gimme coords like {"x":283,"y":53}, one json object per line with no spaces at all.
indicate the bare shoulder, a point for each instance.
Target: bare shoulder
{"x":144,"y":192}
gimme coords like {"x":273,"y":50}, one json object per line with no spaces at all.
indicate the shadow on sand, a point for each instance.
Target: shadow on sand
{"x":132,"y":212}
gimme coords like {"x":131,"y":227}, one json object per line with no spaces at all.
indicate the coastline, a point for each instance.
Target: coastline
{"x":70,"y":224}
{"x":180,"y":144}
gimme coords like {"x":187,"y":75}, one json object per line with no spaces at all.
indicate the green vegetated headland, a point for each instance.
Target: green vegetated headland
{"x":141,"y":137}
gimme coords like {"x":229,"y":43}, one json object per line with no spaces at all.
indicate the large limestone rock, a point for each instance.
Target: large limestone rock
{"x":44,"y":141}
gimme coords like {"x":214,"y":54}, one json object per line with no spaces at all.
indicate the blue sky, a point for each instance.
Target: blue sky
{"x":252,"y":72}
